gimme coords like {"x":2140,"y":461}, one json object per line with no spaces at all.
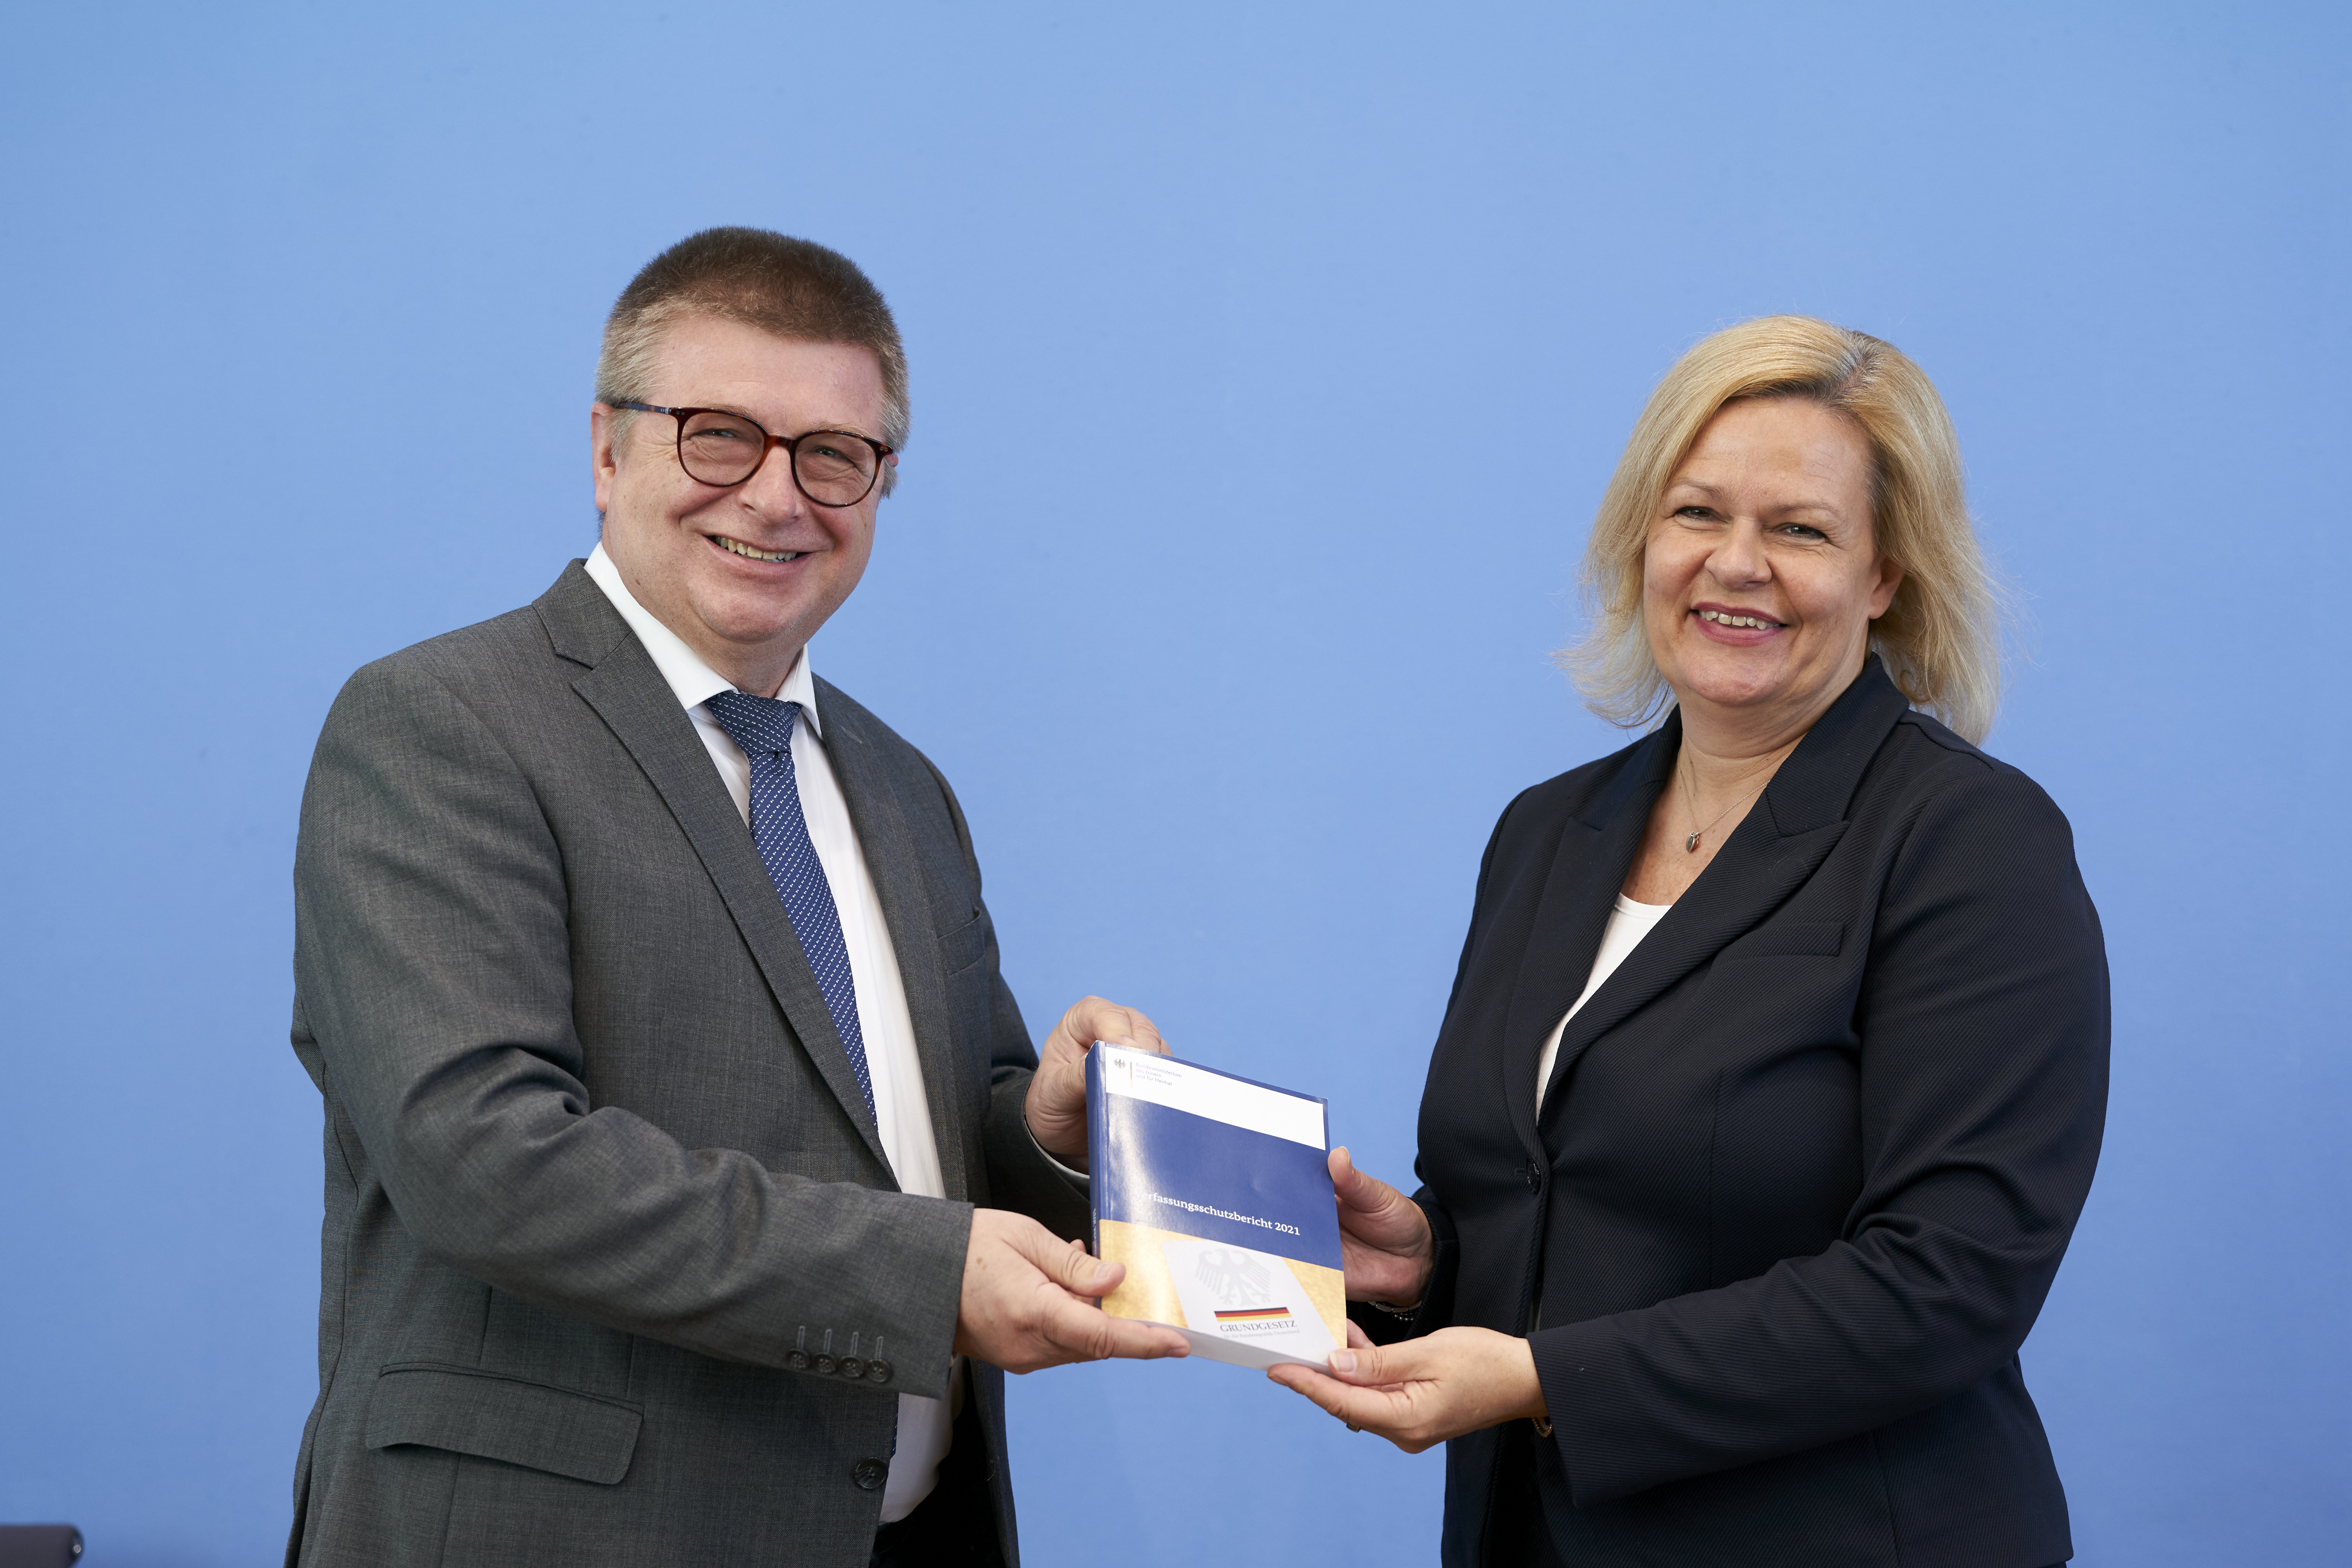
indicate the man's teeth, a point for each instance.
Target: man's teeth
{"x":1719,"y":618}
{"x":739,"y":548}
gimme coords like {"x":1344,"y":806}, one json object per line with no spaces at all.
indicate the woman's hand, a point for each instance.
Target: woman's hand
{"x":1385,"y":1246}
{"x":1425,"y":1391}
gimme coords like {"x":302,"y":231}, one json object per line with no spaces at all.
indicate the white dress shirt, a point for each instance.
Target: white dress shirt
{"x":901,"y":1108}
{"x":1629,"y":923}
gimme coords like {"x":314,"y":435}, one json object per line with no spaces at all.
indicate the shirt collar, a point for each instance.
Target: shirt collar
{"x":692,"y":682}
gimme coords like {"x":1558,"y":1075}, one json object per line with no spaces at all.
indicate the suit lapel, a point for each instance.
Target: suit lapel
{"x":1596,"y":850}
{"x":891,"y":858}
{"x":1795,"y":823}
{"x":627,"y":691}
{"x":1756,"y":869}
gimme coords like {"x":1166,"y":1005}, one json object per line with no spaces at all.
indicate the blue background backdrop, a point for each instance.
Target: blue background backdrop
{"x":303,"y":301}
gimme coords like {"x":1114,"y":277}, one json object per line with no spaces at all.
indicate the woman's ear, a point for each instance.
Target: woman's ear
{"x":1890,"y":577}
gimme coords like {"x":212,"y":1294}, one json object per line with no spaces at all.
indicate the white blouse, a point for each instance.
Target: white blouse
{"x":1629,"y":923}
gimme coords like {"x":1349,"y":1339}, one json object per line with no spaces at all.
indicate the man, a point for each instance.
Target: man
{"x":676,"y":1115}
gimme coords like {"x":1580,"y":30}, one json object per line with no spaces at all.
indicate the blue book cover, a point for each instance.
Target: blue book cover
{"x":1215,"y":1193}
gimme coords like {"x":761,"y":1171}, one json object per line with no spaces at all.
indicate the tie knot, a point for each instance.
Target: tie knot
{"x":760,"y":725}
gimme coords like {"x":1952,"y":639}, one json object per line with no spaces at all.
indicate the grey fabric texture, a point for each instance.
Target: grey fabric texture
{"x":598,"y":1176}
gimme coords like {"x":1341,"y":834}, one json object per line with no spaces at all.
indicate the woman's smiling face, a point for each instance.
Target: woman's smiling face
{"x":1762,"y":575}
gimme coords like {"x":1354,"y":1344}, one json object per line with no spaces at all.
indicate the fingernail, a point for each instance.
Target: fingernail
{"x":1343,"y":1361}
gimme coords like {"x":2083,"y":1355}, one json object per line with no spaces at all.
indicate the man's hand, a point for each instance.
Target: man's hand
{"x":1385,"y":1246}
{"x":1057,"y":1105}
{"x":1427,"y":1391}
{"x":1026,"y":1300}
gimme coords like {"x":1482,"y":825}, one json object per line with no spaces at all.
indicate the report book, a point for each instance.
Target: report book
{"x":1215,"y":1193}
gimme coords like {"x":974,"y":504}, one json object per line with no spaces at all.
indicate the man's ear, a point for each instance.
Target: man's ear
{"x":602,"y":462}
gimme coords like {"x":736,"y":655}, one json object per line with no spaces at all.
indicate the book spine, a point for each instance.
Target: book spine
{"x":1096,"y":1115}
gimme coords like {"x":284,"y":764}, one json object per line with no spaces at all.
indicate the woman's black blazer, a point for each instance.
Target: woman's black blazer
{"x":1805,"y":1171}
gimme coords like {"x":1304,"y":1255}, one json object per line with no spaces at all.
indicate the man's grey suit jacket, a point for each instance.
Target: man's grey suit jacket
{"x":596,"y":1164}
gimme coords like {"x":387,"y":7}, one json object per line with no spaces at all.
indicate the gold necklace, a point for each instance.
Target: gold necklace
{"x":1690,"y":804}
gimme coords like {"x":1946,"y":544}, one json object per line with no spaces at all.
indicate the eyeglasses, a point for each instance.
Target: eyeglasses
{"x":718,"y":447}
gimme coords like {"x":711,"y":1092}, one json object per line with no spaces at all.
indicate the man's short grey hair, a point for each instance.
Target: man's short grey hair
{"x":792,"y":287}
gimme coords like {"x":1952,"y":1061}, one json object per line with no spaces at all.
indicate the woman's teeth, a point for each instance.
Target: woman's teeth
{"x":739,"y":548}
{"x":1719,"y":618}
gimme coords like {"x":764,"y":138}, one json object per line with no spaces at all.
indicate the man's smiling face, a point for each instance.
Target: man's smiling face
{"x":745,"y":575}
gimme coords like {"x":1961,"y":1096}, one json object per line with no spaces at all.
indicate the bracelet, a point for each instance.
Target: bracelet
{"x":1402,"y":1314}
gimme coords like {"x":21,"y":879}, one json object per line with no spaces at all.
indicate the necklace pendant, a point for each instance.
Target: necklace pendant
{"x":1690,"y":844}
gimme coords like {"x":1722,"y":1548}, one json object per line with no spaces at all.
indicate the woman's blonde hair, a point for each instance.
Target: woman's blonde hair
{"x":1939,"y":639}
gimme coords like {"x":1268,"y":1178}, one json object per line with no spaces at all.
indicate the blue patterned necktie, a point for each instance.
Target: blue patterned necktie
{"x":762,"y":727}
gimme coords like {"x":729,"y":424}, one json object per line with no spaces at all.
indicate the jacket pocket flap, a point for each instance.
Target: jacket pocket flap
{"x":1792,"y":939}
{"x":468,"y":1411}
{"x":961,"y":948}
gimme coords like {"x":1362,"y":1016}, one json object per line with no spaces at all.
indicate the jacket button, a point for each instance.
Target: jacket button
{"x":869,"y":1474}
{"x":1535,"y":1175}
{"x":852,"y":1368}
{"x":877,"y":1371}
{"x":797,"y":1360}
{"x":824,"y":1364}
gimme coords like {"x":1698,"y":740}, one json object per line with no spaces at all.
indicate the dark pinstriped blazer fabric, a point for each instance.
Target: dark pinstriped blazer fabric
{"x":596,"y":1164}
{"x":1809,"y":1162}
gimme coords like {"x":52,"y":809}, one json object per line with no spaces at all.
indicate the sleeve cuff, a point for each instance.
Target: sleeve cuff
{"x":1023,"y":1178}
{"x":1605,"y":1448}
{"x":1077,"y":1179}
{"x":1385,"y":1325}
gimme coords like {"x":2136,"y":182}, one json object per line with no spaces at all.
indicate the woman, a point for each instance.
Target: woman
{"x":1774,"y":1073}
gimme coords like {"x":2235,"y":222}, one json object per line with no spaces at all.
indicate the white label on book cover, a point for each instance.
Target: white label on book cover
{"x":1180,"y":1086}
